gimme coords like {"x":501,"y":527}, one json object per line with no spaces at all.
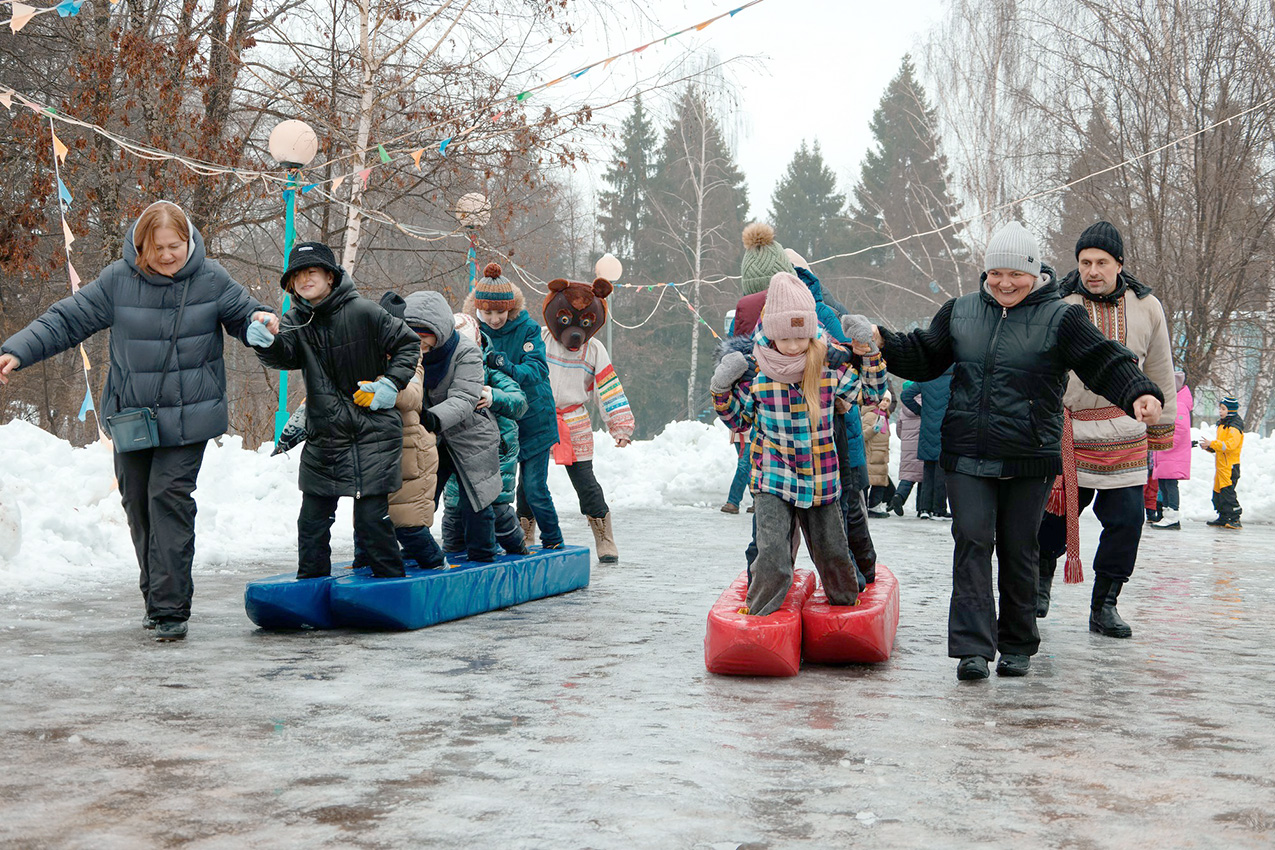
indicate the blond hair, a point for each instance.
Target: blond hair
{"x":157,"y":215}
{"x":812,"y":379}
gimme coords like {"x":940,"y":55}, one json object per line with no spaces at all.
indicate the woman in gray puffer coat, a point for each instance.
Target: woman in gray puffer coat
{"x":166,"y":305}
{"x":468,"y":438}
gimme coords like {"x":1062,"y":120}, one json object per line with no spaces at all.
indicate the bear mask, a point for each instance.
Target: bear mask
{"x":575,"y":311}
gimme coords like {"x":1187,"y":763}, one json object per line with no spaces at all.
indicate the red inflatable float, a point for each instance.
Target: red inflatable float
{"x":863,"y":633}
{"x":743,"y":645}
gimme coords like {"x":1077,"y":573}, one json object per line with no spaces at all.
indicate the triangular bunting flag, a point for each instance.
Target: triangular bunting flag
{"x":59,"y":148}
{"x":522,"y":96}
{"x":67,"y":8}
{"x":380,"y":149}
{"x":442,"y":148}
{"x":75,"y":277}
{"x":337,"y":183}
{"x":21,"y":14}
{"x":364,"y":174}
{"x":67,"y":234}
{"x":87,"y":405}
{"x":640,"y":49}
{"x":306,"y":189}
{"x":555,"y":82}
{"x":63,"y":193}
{"x":734,"y":12}
{"x":701,"y":26}
{"x":6,"y":97}
{"x":609,"y":61}
{"x":578,"y":74}
{"x":416,"y":157}
{"x":498,"y":116}
{"x":84,"y":355}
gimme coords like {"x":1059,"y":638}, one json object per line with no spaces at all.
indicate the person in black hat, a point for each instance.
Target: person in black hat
{"x":1104,"y":448}
{"x":355,"y":358}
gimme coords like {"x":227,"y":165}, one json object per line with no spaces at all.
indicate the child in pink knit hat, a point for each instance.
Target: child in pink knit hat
{"x":787,"y":407}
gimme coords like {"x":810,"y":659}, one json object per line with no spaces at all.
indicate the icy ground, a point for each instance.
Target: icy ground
{"x":588,"y":720}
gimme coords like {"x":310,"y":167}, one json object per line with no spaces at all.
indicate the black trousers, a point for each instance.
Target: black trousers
{"x":372,"y":528}
{"x":592,"y":501}
{"x":479,"y":526}
{"x":1225,"y":501}
{"x":853,"y":510}
{"x":156,"y":487}
{"x":1122,"y":513}
{"x":1000,"y":514}
{"x":933,"y":496}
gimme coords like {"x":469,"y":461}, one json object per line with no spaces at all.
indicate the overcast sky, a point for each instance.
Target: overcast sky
{"x":810,"y":69}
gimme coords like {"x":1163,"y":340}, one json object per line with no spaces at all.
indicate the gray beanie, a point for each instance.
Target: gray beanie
{"x":1012,"y":247}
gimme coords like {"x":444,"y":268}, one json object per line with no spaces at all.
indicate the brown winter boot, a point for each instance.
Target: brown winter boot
{"x":528,"y":524}
{"x":604,"y":539}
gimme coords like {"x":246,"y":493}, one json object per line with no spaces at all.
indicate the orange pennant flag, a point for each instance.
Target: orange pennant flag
{"x":416,"y":157}
{"x":6,"y":97}
{"x":85,"y":355}
{"x":67,"y":234}
{"x":701,"y":26}
{"x":609,"y":61}
{"x":75,"y":278}
{"x":21,"y":14}
{"x":59,"y":148}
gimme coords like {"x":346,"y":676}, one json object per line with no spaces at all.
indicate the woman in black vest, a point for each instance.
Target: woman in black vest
{"x":1011,"y":344}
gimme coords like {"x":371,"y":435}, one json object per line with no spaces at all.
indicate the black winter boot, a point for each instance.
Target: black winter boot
{"x":1103,"y":616}
{"x":1048,"y":566}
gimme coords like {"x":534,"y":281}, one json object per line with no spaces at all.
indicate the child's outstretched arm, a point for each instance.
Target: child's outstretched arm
{"x":609,"y":396}
{"x":730,"y":397}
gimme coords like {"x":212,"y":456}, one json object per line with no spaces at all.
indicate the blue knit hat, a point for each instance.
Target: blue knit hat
{"x":1232,"y":405}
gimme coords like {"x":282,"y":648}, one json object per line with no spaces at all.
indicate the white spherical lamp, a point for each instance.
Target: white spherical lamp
{"x":293,"y":143}
{"x":608,"y":267}
{"x":473,"y":210}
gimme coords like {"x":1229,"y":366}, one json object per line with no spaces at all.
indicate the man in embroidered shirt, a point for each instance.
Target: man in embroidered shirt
{"x":1104,"y":450}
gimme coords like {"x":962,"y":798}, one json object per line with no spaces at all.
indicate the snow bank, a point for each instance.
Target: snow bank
{"x":61,"y":519}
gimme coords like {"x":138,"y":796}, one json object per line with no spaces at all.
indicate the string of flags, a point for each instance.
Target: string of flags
{"x":20,"y":14}
{"x":487,"y":115}
{"x":65,"y":199}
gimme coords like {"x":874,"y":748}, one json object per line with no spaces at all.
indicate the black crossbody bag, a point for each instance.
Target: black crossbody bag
{"x":136,"y":428}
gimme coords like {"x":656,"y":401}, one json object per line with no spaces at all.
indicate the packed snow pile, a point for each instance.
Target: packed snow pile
{"x":61,"y":520}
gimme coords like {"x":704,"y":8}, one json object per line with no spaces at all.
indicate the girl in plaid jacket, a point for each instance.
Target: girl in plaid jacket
{"x":795,"y":478}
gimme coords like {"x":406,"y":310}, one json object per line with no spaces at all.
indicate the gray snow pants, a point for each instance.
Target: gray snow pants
{"x":825,"y":534}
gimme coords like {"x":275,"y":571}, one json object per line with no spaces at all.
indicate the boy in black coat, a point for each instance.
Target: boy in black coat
{"x":355,"y":358}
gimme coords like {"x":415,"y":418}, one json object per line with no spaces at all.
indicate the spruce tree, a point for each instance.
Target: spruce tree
{"x":807,"y":210}
{"x":623,"y":208}
{"x":902,"y":191}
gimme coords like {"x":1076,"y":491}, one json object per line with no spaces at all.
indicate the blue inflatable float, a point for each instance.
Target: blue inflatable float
{"x":424,"y":597}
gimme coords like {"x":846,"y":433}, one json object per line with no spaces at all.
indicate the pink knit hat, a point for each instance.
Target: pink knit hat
{"x":790,"y":309}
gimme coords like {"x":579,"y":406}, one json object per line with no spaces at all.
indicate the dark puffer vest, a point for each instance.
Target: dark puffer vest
{"x":1008,"y":381}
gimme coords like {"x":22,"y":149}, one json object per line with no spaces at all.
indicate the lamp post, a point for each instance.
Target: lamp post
{"x":292,"y":144}
{"x":610,"y":268}
{"x":473,"y":211}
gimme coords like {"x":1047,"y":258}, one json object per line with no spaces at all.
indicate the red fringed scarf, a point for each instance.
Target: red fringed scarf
{"x":1064,"y":498}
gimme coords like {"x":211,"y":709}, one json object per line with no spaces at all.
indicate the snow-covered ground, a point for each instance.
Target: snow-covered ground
{"x":61,"y":519}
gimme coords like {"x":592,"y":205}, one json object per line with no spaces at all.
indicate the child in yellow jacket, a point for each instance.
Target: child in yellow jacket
{"x":1230,"y":438}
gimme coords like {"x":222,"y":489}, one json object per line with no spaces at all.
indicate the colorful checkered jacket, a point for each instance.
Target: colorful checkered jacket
{"x":789,"y":459}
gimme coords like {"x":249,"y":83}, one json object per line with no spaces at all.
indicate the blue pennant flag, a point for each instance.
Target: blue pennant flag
{"x":66,"y":9}
{"x":64,"y":193}
{"x":578,"y":74}
{"x":442,"y":148}
{"x":305,"y":190}
{"x":934,"y":286}
{"x":87,"y":405}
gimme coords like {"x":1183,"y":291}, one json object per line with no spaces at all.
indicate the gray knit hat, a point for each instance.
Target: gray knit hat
{"x":1012,"y":247}
{"x":763,"y":258}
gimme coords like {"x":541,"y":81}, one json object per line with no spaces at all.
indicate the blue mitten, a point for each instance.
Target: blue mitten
{"x":859,"y":329}
{"x":836,"y":356}
{"x":376,"y":395}
{"x":259,"y":335}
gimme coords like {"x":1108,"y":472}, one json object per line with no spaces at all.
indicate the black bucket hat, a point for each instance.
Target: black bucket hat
{"x":309,"y":255}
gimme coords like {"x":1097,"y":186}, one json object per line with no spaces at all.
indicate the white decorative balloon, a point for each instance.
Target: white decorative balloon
{"x":608,"y":267}
{"x":473,"y":210}
{"x":293,"y":142}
